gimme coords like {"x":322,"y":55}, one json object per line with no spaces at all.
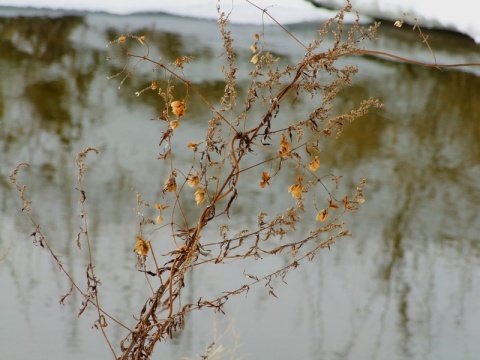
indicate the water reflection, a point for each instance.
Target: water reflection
{"x":405,"y":286}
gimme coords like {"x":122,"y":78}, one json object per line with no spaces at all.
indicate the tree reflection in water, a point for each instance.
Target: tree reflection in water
{"x":404,"y":286}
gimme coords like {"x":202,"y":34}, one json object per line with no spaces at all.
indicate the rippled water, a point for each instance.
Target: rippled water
{"x":404,"y":286}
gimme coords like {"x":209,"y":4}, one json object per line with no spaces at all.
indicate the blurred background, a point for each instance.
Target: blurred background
{"x":405,"y":285}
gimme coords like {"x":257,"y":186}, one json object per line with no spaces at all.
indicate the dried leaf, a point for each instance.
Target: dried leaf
{"x":161,"y":207}
{"x":254,"y":59}
{"x":165,"y":136}
{"x":83,"y":196}
{"x":345,"y":202}
{"x":265,"y":178}
{"x":233,"y":197}
{"x":322,"y":215}
{"x":79,"y":244}
{"x":284,"y":147}
{"x":332,"y":205}
{"x":192,"y":145}
{"x":170,"y":185}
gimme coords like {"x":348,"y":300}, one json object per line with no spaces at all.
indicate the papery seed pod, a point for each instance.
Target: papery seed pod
{"x":141,"y":247}
{"x":178,"y":108}
{"x":200,"y":196}
{"x":314,"y":164}
{"x":322,"y":215}
{"x":295,"y":190}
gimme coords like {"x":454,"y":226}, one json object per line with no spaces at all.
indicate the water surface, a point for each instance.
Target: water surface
{"x":404,"y":286}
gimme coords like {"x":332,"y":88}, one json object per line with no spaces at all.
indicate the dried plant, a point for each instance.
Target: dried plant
{"x":218,"y":166}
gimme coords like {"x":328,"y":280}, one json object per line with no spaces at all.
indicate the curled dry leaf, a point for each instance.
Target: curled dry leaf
{"x":161,"y":207}
{"x":178,"y":108}
{"x":296,"y":190}
{"x":322,"y":215}
{"x":332,"y":205}
{"x":284,"y":147}
{"x":192,"y":145}
{"x":265,"y":178}
{"x":142,"y":39}
{"x":314,"y":164}
{"x":154,"y":85}
{"x":254,"y":59}
{"x":141,"y":247}
{"x":200,"y":196}
{"x":159,"y":219}
{"x":121,"y":40}
{"x":170,"y":185}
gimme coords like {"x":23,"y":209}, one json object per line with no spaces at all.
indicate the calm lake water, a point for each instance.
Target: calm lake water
{"x":406,"y":285}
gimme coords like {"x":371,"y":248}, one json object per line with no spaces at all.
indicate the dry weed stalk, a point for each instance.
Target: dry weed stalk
{"x":218,"y":165}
